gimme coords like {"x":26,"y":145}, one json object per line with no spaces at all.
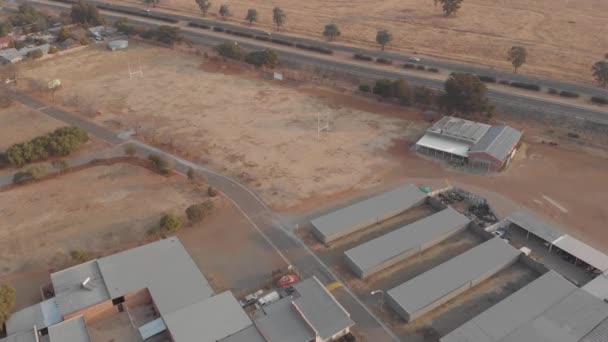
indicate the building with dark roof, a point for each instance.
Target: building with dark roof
{"x":466,"y":142}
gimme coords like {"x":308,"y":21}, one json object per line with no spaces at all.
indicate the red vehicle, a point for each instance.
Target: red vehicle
{"x":287,"y":280}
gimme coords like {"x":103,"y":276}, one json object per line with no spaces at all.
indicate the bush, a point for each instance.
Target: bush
{"x":53,"y":49}
{"x":7,"y":302}
{"x":599,"y":100}
{"x":229,"y":50}
{"x":198,"y":25}
{"x":263,"y":38}
{"x":573,"y":135}
{"x":570,"y":94}
{"x":433,"y":70}
{"x":84,"y":41}
{"x":197,"y":212}
{"x":60,"y":165}
{"x":80,"y":256}
{"x":527,"y":86}
{"x":170,"y":223}
{"x":487,"y":79}
{"x":365,"y":88}
{"x":282,"y":42}
{"x":35,"y":54}
{"x":262,"y":58}
{"x":60,"y":142}
{"x":384,"y":87}
{"x":4,"y":160}
{"x":218,"y":29}
{"x":409,"y":66}
{"x":211,"y":192}
{"x":420,"y":67}
{"x":384,"y":61}
{"x":130,"y":150}
{"x":424,"y":96}
{"x":504,"y":82}
{"x":22,"y":176}
{"x":363,"y":57}
{"x":552,"y":91}
{"x":161,"y":165}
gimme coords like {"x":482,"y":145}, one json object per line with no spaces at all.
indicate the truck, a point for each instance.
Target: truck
{"x":267,"y":299}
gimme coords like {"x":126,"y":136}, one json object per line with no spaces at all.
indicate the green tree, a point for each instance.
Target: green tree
{"x":167,"y":34}
{"x":86,"y":13}
{"x":229,"y":50}
{"x":384,"y":87}
{"x":211,"y":192}
{"x":7,"y":302}
{"x":450,"y":6}
{"x":278,"y":17}
{"x":252,"y":16}
{"x":517,"y":56}
{"x":600,"y":73}
{"x":26,"y":15}
{"x":224,"y":11}
{"x":170,"y":223}
{"x":197,"y":212}
{"x":383,"y":37}
{"x":262,"y":58}
{"x":403,"y":92}
{"x":60,"y":142}
{"x":331,"y":31}
{"x":465,"y":93}
{"x":80,"y":256}
{"x":161,"y":165}
{"x":204,"y":5}
{"x":191,"y":174}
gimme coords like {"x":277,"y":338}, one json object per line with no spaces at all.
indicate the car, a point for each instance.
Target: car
{"x":414,"y":59}
{"x":287,"y":280}
{"x":250,"y":299}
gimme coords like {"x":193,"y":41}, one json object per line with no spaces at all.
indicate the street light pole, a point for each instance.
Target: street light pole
{"x":381,"y":297}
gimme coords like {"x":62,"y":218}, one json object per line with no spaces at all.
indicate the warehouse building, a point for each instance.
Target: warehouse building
{"x":478,"y":145}
{"x":339,"y":223}
{"x":398,"y":245}
{"x":550,"y":309}
{"x":435,"y":287}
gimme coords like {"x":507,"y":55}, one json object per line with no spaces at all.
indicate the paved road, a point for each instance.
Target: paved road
{"x":505,"y":101}
{"x":254,"y":209}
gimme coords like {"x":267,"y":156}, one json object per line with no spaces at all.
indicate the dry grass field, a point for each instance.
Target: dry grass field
{"x":19,"y":123}
{"x":564,"y":37}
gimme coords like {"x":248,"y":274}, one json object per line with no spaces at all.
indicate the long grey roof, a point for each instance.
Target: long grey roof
{"x":522,"y":306}
{"x":462,"y":129}
{"x":362,"y":214}
{"x":249,"y":334}
{"x":583,"y":252}
{"x":24,"y":336}
{"x":438,"y":282}
{"x":535,"y":225}
{"x":375,"y":252}
{"x":72,"y":330}
{"x":42,"y":315}
{"x":320,"y":309}
{"x":207,"y":321}
{"x":598,"y":286}
{"x":282,"y":322}
{"x":598,"y":334}
{"x":164,"y":268}
{"x":498,"y":141}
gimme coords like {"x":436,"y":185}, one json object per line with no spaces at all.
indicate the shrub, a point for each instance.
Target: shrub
{"x":433,"y":70}
{"x":552,"y":91}
{"x":573,"y":135}
{"x":424,"y":96}
{"x":262,"y":58}
{"x":420,"y":67}
{"x":384,"y":61}
{"x":599,"y":100}
{"x":527,"y":86}
{"x":229,"y":50}
{"x":365,"y":88}
{"x":170,"y":223}
{"x":7,"y":302}
{"x":570,"y":94}
{"x":198,"y":25}
{"x":363,"y":57}
{"x":161,"y":165}
{"x":263,"y":38}
{"x":487,"y":79}
{"x":60,"y":165}
{"x":190,"y":173}
{"x":282,"y":42}
{"x":409,"y":66}
{"x":218,"y":29}
{"x":53,"y":49}
{"x":22,"y":176}
{"x":60,"y":142}
{"x":197,"y":212}
{"x":84,"y":41}
{"x":504,"y":82}
{"x":80,"y":256}
{"x":35,"y":54}
{"x":384,"y":88}
{"x":130,"y":150}
{"x":211,"y":192}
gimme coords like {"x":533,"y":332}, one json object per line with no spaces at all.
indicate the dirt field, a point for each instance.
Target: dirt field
{"x":18,"y":124}
{"x":564,"y":37}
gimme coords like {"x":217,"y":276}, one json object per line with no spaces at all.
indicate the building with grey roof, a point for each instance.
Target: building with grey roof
{"x":13,"y":55}
{"x":72,"y":330}
{"x":598,"y":286}
{"x":398,"y":245}
{"x":444,"y":282}
{"x":30,"y":335}
{"x":249,"y":334}
{"x":360,"y":215}
{"x":480,"y":145}
{"x":282,"y":322}
{"x":41,"y":315}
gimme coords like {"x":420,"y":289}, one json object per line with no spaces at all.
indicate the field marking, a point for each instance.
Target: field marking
{"x":333,"y":286}
{"x":555,"y":204}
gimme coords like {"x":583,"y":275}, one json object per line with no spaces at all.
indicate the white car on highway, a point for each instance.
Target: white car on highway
{"x":414,"y":59}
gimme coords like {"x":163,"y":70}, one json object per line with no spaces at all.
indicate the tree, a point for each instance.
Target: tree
{"x":229,"y":50}
{"x":26,"y":15}
{"x":224,"y":11}
{"x":450,"y":6}
{"x":130,"y":150}
{"x":278,"y":16}
{"x":161,"y":165}
{"x":517,"y":56}
{"x":167,"y":34}
{"x":403,"y":92}
{"x":384,"y":87}
{"x":7,"y":302}
{"x":197,"y":212}
{"x":262,"y":58}
{"x":600,"y":73}
{"x":383,"y":37}
{"x":170,"y":223}
{"x":465,"y":93}
{"x":252,"y":15}
{"x":84,"y":12}
{"x":331,"y":31}
{"x":204,"y":5}
{"x":191,"y":175}
{"x":211,"y":192}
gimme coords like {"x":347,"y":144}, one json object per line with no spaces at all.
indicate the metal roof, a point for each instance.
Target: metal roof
{"x":598,"y":286}
{"x":445,"y":144}
{"x":164,"y":267}
{"x":72,"y":330}
{"x":522,"y":306}
{"x":461,"y":129}
{"x":498,"y":142}
{"x":30,"y":335}
{"x":282,"y":322}
{"x":569,"y":320}
{"x":41,"y":315}
{"x":535,"y":225}
{"x":364,"y":213}
{"x":410,"y":238}
{"x":152,"y":328}
{"x":71,"y":296}
{"x":435,"y":284}
{"x":208,"y":321}
{"x":583,"y":252}
{"x":320,"y":309}
{"x":249,"y":334}
{"x":598,"y":334}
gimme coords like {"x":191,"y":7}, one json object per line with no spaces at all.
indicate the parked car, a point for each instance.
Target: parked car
{"x":414,"y":59}
{"x":267,"y":299}
{"x":287,"y":280}
{"x":250,"y":299}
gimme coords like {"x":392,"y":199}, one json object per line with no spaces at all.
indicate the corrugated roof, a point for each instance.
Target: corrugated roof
{"x":445,"y":144}
{"x":164,"y":268}
{"x":362,"y":214}
{"x":598,"y":334}
{"x":72,"y":330}
{"x":584,"y":252}
{"x":598,"y":286}
{"x":460,"y":129}
{"x":498,"y":142}
{"x":24,"y":336}
{"x":282,"y":322}
{"x":249,"y":334}
{"x":431,"y":286}
{"x":41,"y":315}
{"x":535,"y":225}
{"x":522,"y":306}
{"x":375,"y":252}
{"x":208,"y":321}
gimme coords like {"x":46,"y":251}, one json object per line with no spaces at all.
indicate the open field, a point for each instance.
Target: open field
{"x":564,"y":37}
{"x":19,"y":123}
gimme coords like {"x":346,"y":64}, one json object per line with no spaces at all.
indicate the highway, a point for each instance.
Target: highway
{"x":508,"y":102}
